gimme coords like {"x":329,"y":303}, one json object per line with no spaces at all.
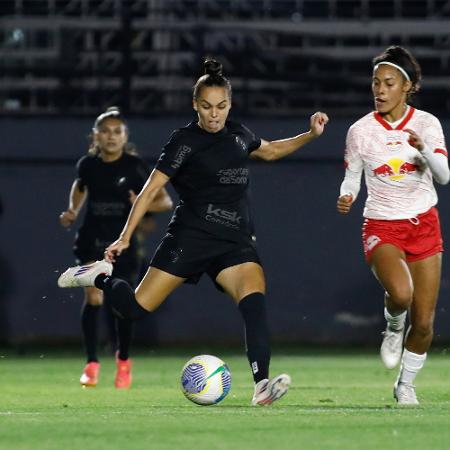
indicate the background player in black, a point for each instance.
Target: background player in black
{"x":210,"y":231}
{"x":108,"y":178}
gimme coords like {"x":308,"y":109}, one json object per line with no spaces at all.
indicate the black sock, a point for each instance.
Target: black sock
{"x":124,"y":333}
{"x":89,"y":322}
{"x":257,"y":337}
{"x":120,"y":296}
{"x":111,"y":325}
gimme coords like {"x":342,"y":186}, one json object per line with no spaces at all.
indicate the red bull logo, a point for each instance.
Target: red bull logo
{"x":394,"y":142}
{"x":395,"y":168}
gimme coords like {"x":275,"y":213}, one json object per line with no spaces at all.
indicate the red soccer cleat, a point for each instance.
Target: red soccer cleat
{"x":89,"y":377}
{"x":123,"y":374}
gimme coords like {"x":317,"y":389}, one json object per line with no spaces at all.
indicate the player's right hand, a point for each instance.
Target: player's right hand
{"x":344,"y":203}
{"x":115,"y":249}
{"x":67,"y":218}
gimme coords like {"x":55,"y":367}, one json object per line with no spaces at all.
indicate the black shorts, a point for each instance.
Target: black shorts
{"x":189,"y":255}
{"x":127,"y":265}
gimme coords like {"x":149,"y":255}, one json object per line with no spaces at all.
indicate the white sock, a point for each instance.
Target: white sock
{"x":397,"y":322}
{"x":411,"y":364}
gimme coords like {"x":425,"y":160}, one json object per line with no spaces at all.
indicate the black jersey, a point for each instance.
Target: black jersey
{"x":108,"y":203}
{"x":210,"y":173}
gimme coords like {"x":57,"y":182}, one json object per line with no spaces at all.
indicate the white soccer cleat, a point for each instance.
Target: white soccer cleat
{"x":392,"y":347}
{"x":405,"y":394}
{"x":266,"y":392}
{"x":84,"y":276}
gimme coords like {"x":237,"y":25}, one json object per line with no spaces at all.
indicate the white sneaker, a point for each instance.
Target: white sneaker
{"x":266,"y":392}
{"x":391,"y":347}
{"x":405,"y":394}
{"x":84,"y":276}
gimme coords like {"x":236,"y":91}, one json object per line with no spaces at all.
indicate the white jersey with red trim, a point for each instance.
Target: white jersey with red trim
{"x":398,"y":177}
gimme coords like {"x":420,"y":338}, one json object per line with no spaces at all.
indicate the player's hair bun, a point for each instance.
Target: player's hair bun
{"x":213,"y":67}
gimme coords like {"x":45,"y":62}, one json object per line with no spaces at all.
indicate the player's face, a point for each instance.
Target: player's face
{"x":212,"y":105}
{"x":389,"y":89}
{"x":111,"y":136}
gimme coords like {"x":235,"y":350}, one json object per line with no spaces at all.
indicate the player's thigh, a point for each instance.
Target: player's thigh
{"x":388,"y":263}
{"x":242,"y":280}
{"x":155,"y":287}
{"x":93,"y":296}
{"x":426,"y":275}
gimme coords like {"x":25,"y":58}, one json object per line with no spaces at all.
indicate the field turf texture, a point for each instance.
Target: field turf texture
{"x":338,"y":400}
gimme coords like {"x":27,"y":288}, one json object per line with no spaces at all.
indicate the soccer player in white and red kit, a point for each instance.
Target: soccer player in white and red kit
{"x":401,"y":150}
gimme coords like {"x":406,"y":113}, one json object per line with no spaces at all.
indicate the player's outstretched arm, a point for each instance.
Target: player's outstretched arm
{"x":156,"y":181}
{"x":273,"y":150}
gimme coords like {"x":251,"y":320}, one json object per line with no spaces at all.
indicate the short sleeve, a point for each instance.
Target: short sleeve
{"x":174,"y":155}
{"x":251,"y":140}
{"x":82,"y":172}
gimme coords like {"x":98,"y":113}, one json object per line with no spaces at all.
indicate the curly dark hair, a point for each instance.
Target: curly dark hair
{"x":403,"y":58}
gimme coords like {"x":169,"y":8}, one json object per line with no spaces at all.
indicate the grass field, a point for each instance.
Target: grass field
{"x":339,"y":400}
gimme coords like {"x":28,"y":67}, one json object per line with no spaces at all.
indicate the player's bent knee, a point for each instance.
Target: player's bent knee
{"x":400,"y":298}
{"x":150,"y":300}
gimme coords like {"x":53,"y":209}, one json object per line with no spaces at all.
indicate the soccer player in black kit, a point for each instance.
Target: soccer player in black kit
{"x":210,"y":231}
{"x":108,"y":178}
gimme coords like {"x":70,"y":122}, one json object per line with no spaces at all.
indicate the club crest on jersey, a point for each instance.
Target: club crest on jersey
{"x":395,"y":168}
{"x":240,"y":142}
{"x":394,"y":142}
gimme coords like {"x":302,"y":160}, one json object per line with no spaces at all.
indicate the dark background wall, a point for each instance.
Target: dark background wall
{"x":319,"y":287}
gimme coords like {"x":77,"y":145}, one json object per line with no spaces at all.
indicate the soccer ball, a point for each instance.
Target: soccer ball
{"x":205,"y":380}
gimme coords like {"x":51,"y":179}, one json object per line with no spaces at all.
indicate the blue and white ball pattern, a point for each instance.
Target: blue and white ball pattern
{"x":205,"y":380}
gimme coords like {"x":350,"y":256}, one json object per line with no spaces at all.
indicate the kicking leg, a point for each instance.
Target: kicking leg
{"x":151,"y":292}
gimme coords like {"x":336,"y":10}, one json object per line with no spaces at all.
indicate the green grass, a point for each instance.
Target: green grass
{"x":337,"y":401}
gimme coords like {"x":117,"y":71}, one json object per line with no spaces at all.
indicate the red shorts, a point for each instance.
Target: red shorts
{"x":419,"y":237}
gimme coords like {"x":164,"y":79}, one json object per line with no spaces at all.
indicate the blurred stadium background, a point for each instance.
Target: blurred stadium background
{"x":62,"y":62}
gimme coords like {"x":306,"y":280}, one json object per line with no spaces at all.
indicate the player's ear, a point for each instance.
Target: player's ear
{"x":194,"y":104}
{"x":407,"y":85}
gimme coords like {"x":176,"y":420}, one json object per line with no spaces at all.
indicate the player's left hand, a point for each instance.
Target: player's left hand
{"x":115,"y":249}
{"x":414,"y":140}
{"x":344,"y":203}
{"x":317,"y":122}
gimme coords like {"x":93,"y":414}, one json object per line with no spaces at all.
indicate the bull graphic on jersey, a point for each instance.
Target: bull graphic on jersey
{"x":395,"y":168}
